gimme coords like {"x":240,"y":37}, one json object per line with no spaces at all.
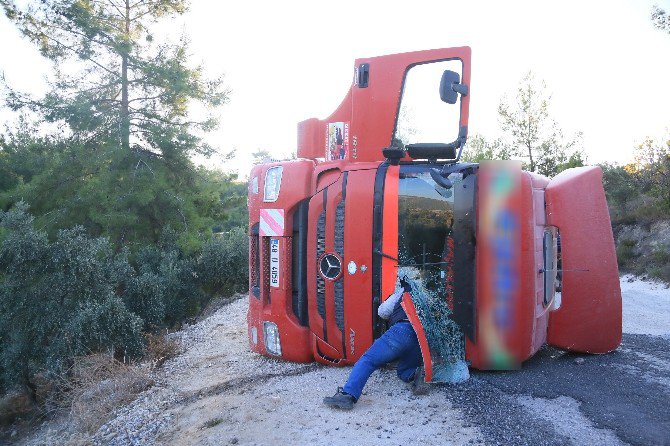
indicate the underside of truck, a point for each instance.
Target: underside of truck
{"x":374,"y":197}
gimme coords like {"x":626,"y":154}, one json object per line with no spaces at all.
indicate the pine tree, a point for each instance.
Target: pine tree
{"x":113,"y":81}
{"x":122,"y":165}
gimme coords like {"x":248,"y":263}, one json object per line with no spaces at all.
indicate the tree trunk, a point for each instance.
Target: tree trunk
{"x":125,"y":109}
{"x":530,"y":156}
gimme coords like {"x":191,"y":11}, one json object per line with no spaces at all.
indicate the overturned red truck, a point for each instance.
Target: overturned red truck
{"x":378,"y":188}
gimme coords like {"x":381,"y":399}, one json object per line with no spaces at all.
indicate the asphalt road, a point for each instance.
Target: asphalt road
{"x":626,"y":392}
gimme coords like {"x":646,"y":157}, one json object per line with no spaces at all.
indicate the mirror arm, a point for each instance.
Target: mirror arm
{"x":460,"y":88}
{"x":462,"y":138}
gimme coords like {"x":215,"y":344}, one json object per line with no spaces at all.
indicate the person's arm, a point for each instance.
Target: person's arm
{"x":386,"y":308}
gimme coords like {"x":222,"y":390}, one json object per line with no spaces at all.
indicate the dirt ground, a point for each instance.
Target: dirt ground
{"x":218,"y":392}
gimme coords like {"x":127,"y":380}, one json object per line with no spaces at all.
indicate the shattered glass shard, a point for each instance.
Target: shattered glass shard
{"x":445,"y":339}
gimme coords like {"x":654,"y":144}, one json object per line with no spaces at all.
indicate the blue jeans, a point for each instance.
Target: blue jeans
{"x":398,"y":342}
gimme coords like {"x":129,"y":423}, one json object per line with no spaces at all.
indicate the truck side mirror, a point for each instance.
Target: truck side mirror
{"x":450,"y":86}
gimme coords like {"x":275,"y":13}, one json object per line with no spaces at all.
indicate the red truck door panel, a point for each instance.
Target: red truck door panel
{"x":370,"y":111}
{"x":589,"y":319}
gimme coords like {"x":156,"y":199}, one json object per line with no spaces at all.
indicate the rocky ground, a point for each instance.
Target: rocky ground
{"x":217,"y":392}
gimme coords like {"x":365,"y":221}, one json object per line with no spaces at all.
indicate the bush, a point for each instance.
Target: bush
{"x":74,"y":296}
{"x":58,"y":300}
{"x":625,"y":253}
{"x":165,"y":289}
{"x":223,"y":265}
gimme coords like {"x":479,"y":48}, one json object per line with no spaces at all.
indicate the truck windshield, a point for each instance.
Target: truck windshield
{"x":436,"y":256}
{"x":425,"y":217}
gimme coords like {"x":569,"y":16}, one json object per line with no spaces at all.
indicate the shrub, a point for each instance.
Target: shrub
{"x":165,"y":289}
{"x":223,"y":265}
{"x":625,"y":252}
{"x":161,"y":348}
{"x":660,"y":254}
{"x":58,"y":300}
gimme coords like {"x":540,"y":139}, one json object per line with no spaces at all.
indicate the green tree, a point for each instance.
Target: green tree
{"x":479,"y":148}
{"x":533,"y":135}
{"x":122,"y":168}
{"x":660,"y":18}
{"x":260,"y":155}
{"x":622,"y":188}
{"x":652,"y":159}
{"x":126,"y":88}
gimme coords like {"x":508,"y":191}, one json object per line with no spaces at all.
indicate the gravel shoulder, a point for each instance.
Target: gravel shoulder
{"x":218,"y":392}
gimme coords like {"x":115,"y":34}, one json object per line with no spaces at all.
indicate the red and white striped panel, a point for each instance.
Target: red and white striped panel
{"x":272,"y":222}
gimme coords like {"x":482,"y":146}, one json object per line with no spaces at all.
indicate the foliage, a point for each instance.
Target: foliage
{"x":128,"y":88}
{"x":74,"y":296}
{"x":123,"y":213}
{"x":640,"y":192}
{"x":165,"y":290}
{"x":660,"y":18}
{"x":621,"y":188}
{"x":652,"y":161}
{"x":223,"y":265}
{"x":121,"y":167}
{"x":260,"y":156}
{"x":625,"y":252}
{"x":479,"y":149}
{"x":58,"y":299}
{"x":531,"y":133}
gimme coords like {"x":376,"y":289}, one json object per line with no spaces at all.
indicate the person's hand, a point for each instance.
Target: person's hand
{"x":406,"y":286}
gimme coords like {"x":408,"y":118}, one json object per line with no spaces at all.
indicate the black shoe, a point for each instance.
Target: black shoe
{"x":340,"y":400}
{"x":419,"y":385}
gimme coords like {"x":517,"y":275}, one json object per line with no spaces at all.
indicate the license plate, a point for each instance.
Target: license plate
{"x":274,"y":263}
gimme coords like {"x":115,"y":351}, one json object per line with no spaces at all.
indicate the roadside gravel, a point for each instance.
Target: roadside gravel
{"x":218,"y":392}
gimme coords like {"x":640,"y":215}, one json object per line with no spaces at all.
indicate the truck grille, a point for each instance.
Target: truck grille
{"x":339,"y":248}
{"x":254,"y":266}
{"x":320,"y":250}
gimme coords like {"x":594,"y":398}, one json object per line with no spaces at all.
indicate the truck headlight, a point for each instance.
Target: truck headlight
{"x":271,"y":338}
{"x":272,"y":183}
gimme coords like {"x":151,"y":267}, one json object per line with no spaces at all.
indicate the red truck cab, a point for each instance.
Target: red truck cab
{"x":370,"y":197}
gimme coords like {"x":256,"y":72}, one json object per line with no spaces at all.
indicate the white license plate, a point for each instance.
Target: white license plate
{"x":274,"y":263}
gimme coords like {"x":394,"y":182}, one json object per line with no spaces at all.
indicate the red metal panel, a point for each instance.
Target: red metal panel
{"x":589,"y":319}
{"x":413,"y":317}
{"x":294,"y":338}
{"x":371,"y":111}
{"x":390,"y":231}
{"x":310,"y":139}
{"x":375,"y":107}
{"x":275,"y":303}
{"x":296,"y":185}
{"x":358,"y":248}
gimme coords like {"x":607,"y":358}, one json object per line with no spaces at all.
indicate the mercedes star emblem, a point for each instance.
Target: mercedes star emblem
{"x":330,"y":266}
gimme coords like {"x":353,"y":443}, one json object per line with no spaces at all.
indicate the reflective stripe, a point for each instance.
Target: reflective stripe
{"x":271,"y":222}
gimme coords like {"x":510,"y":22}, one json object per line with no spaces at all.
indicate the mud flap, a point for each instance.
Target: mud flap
{"x":589,"y":318}
{"x":439,"y":365}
